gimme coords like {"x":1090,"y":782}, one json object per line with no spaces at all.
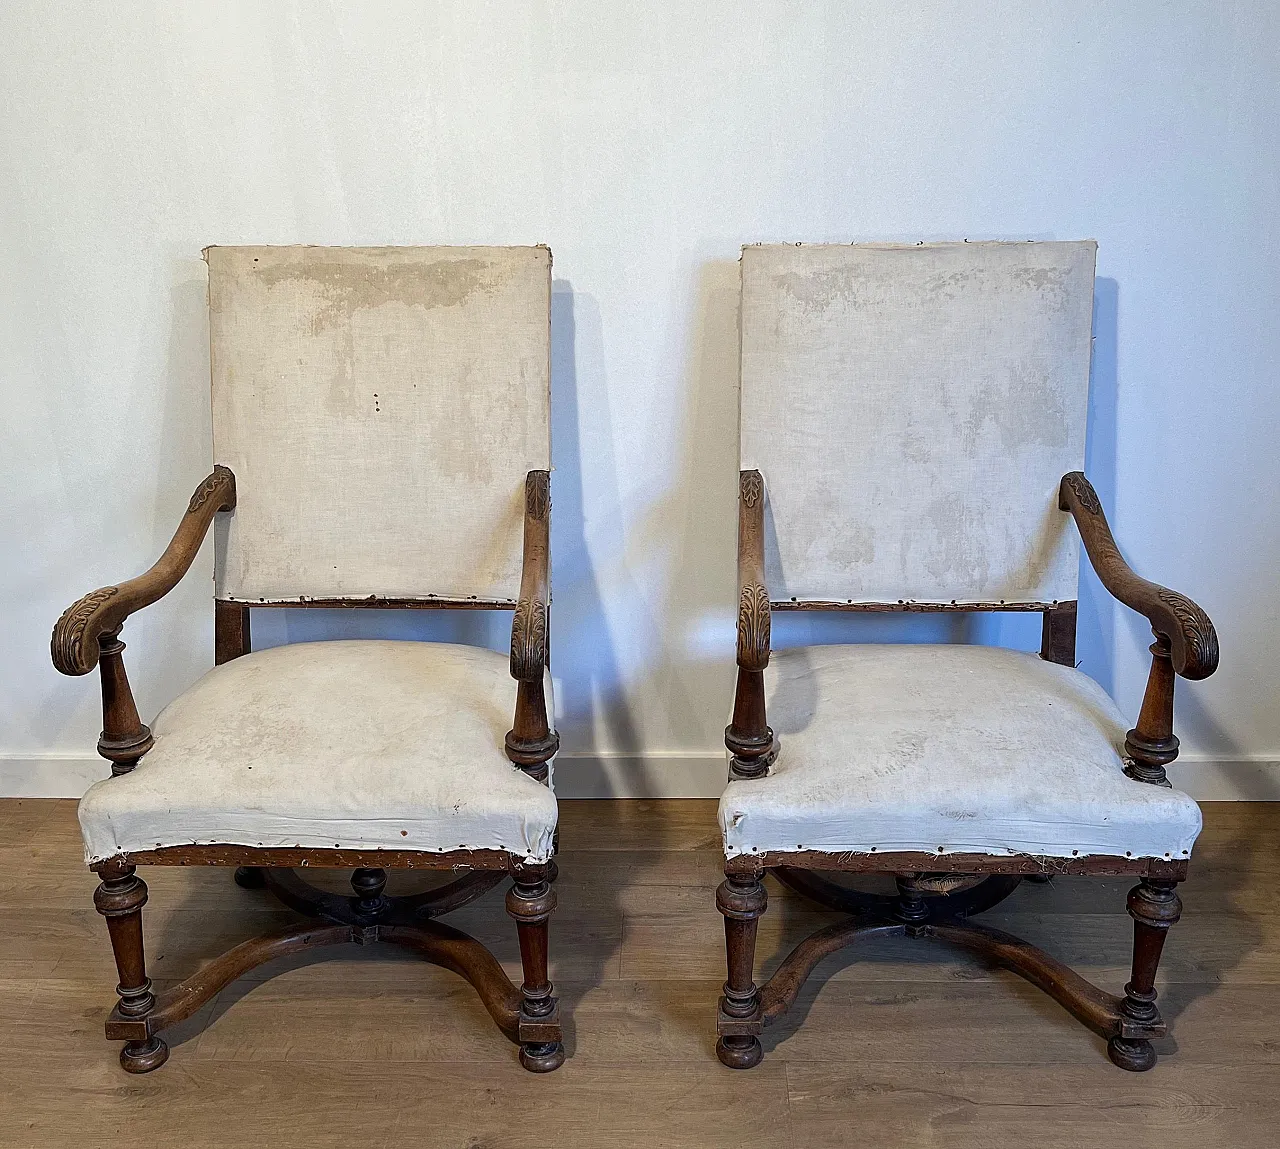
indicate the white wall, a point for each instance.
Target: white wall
{"x":644,"y":143}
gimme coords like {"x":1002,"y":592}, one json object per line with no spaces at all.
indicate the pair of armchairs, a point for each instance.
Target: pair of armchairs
{"x":912,"y":433}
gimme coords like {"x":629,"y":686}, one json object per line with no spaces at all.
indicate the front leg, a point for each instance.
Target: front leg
{"x":120,"y":899}
{"x":1155,"y":907}
{"x":741,"y":898}
{"x":531,"y":901}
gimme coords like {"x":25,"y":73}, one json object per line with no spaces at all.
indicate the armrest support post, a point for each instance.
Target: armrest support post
{"x":1152,"y":744}
{"x":531,"y":742}
{"x":88,"y":633}
{"x":748,"y":736}
{"x":1185,"y":644}
{"x":124,"y":737}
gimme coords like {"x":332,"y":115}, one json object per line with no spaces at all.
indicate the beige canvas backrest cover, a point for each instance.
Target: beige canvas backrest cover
{"x":913,"y":410}
{"x":380,"y":408}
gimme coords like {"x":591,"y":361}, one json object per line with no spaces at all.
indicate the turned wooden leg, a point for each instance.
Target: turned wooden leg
{"x":1152,"y":744}
{"x":749,"y":738}
{"x":120,"y":899}
{"x":1154,"y":906}
{"x":368,"y":884}
{"x":530,"y":901}
{"x":124,"y":738}
{"x":741,"y":898}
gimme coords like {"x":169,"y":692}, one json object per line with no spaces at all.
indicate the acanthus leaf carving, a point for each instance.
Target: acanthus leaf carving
{"x":537,"y":494}
{"x":528,"y":639}
{"x":753,"y":627}
{"x":220,"y":477}
{"x":751,"y":488}
{"x":68,"y":646}
{"x":1197,"y":633}
{"x":1083,"y":490}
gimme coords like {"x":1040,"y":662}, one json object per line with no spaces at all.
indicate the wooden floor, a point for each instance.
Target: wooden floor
{"x":903,"y":1043}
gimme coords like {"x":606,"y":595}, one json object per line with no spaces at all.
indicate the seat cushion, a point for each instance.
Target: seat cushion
{"x":358,"y":745}
{"x":947,"y":749}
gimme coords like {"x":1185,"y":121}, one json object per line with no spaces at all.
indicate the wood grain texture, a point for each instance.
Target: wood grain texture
{"x":748,"y":737}
{"x":753,"y":596}
{"x":531,"y":743}
{"x":906,"y":1044}
{"x":101,"y":612}
{"x":1193,"y":641}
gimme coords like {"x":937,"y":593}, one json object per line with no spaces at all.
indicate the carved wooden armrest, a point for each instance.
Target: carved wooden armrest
{"x":753,"y":595}
{"x":1186,"y":642}
{"x":1193,"y":642}
{"x":529,"y":626}
{"x":87,"y":633}
{"x":748,"y":737}
{"x":101,"y":612}
{"x":531,"y":742}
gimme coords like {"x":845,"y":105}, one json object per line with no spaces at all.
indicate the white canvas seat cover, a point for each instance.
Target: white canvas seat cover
{"x":945,"y":750}
{"x":372,"y":745}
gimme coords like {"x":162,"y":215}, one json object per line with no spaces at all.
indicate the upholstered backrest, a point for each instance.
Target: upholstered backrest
{"x":380,"y":408}
{"x":912,"y":410}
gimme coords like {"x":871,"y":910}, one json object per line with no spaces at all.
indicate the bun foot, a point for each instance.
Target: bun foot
{"x":250,"y":878}
{"x":739,"y":1052}
{"x":144,"y":1056}
{"x":542,"y":1057}
{"x":1133,"y":1054}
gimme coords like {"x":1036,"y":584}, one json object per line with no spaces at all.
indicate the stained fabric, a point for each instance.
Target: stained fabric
{"x":380,"y":408}
{"x":947,"y":749}
{"x":913,"y":410}
{"x":374,"y":745}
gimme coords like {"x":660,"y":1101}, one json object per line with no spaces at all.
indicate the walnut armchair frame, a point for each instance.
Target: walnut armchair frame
{"x":936,"y":905}
{"x":87,"y":634}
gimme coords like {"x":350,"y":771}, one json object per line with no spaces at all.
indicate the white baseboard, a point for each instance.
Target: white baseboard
{"x":1252,"y":779}
{"x":50,"y":775}
{"x":661,"y":774}
{"x":654,"y":775}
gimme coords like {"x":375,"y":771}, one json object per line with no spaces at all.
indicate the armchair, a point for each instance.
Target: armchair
{"x":381,"y":420}
{"x":912,"y":430}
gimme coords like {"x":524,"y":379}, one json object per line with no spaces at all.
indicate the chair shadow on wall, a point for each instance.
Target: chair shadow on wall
{"x":584,"y":666}
{"x":696,"y":524}
{"x":1234,"y":844}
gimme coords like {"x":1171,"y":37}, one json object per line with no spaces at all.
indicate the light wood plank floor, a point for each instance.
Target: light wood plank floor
{"x":902,"y":1044}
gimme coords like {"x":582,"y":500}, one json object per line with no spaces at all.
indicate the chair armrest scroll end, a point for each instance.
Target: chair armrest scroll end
{"x":1193,"y":642}
{"x":529,"y":624}
{"x":74,"y":646}
{"x":754,"y":625}
{"x":529,"y":640}
{"x":1192,"y":637}
{"x":753,"y":595}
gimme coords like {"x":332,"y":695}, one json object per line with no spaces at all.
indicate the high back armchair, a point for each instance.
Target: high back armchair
{"x":912,"y":437}
{"x":381,"y":435}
